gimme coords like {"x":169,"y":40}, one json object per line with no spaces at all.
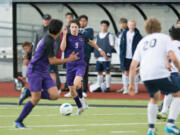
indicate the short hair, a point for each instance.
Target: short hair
{"x":132,"y":21}
{"x":105,"y":22}
{"x":152,"y":25}
{"x":178,"y":21}
{"x":26,"y":43}
{"x":76,"y":21}
{"x":55,"y":26}
{"x":174,"y":33}
{"x":69,"y":13}
{"x":83,"y":16}
{"x":123,"y":20}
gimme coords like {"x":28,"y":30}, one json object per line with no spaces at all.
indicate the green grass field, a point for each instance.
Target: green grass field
{"x":46,"y":120}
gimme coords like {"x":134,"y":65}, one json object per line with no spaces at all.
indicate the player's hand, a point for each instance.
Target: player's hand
{"x":65,"y":31}
{"x":169,"y":67}
{"x":73,"y":56}
{"x":103,"y":54}
{"x":131,"y":89}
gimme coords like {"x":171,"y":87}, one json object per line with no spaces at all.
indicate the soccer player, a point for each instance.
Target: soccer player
{"x":129,"y":40}
{"x":151,"y":54}
{"x":74,"y":42}
{"x":104,"y":40}
{"x":40,"y":83}
{"x":175,"y":36}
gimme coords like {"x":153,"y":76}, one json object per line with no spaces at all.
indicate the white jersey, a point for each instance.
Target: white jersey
{"x":175,"y":47}
{"x":152,"y":52}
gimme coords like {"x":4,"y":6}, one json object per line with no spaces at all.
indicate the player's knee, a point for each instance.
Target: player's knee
{"x":100,"y":73}
{"x":77,"y":86}
{"x":73,"y":93}
{"x":107,"y":72}
{"x":54,"y":97}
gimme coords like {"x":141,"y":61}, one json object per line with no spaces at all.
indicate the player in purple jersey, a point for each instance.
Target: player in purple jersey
{"x":74,"y":42}
{"x":40,"y":82}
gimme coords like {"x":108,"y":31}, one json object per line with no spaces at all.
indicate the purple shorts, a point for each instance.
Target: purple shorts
{"x":40,"y":81}
{"x":72,"y":72}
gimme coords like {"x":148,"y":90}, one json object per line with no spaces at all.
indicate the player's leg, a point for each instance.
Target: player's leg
{"x":78,"y":87}
{"x":136,"y":82}
{"x":166,"y":103}
{"x":85,"y":78}
{"x":125,"y":79}
{"x":99,"y":69}
{"x":106,"y":68}
{"x":27,"y":109}
{"x":173,"y":114}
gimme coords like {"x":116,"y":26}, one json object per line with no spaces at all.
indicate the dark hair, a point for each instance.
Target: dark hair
{"x":76,"y":21}
{"x":26,"y":43}
{"x":123,"y":20}
{"x":55,"y":26}
{"x":83,"y":16}
{"x":69,"y":13}
{"x":174,"y":33}
{"x":105,"y":22}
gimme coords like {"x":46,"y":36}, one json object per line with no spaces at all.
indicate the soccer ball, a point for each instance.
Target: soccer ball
{"x":66,"y":109}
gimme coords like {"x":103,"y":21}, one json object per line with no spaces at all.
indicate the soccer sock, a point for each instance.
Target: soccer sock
{"x":136,"y":82}
{"x":24,"y":70}
{"x":26,"y":110}
{"x":45,"y":94}
{"x":174,"y":111}
{"x":79,"y":91}
{"x":125,"y":80}
{"x":78,"y":102}
{"x":99,"y":79}
{"x":108,"y":80}
{"x":167,"y":101}
{"x":152,"y":113}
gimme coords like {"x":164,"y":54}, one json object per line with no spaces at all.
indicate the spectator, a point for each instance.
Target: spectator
{"x":88,"y":32}
{"x":128,"y":44}
{"x":105,"y":41}
{"x":178,"y":23}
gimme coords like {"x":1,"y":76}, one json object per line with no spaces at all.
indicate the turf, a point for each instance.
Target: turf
{"x":46,"y":120}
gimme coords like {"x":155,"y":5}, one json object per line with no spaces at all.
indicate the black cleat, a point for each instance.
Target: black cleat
{"x":25,"y":93}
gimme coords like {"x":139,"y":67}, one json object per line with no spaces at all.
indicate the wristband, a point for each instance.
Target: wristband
{"x":99,"y":49}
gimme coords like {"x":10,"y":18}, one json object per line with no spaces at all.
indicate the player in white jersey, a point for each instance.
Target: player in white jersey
{"x":151,"y":54}
{"x":175,"y":36}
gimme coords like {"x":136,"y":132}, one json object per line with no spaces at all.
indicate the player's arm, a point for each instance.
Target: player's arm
{"x":93,"y":44}
{"x":63,"y":42}
{"x":55,"y":61}
{"x":174,"y":59}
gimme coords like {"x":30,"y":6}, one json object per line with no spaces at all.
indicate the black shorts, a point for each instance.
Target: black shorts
{"x":103,"y":66}
{"x":53,"y":69}
{"x":127,"y":64}
{"x":165,"y":85}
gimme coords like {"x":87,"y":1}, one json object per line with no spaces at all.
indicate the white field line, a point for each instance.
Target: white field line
{"x":74,"y":130}
{"x":53,"y":115}
{"x":89,"y":125}
{"x":123,"y":132}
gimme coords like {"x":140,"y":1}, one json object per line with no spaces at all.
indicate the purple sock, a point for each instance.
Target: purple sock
{"x":45,"y":95}
{"x":78,"y":102}
{"x":79,"y":91}
{"x":26,"y":110}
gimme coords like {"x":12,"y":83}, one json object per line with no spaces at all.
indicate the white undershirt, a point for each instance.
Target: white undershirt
{"x":111,"y":41}
{"x":129,"y":41}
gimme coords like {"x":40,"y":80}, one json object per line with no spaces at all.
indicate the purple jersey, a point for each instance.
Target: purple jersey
{"x":75,"y":44}
{"x":44,"y":50}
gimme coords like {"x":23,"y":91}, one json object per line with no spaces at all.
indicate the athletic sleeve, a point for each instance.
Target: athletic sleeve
{"x":137,"y":55}
{"x":49,"y":42}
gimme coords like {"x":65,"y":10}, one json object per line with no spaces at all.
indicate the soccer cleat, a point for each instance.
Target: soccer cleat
{"x":120,"y":91}
{"x":67,"y":94}
{"x":162,"y":116}
{"x":151,"y":132}
{"x":19,"y":125}
{"x":84,"y":103}
{"x":80,"y":110}
{"x":84,"y":94}
{"x":125,"y":93}
{"x":172,"y":130}
{"x":25,"y":93}
{"x":107,"y":90}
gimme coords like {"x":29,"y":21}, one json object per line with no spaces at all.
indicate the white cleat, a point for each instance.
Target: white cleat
{"x":68,"y":94}
{"x":84,"y":94}
{"x":84,"y":103}
{"x":80,"y":110}
{"x":125,"y":93}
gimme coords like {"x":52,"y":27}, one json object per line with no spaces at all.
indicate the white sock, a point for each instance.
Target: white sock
{"x":174,"y":109}
{"x":24,"y":70}
{"x":152,"y":113}
{"x":167,"y":101}
{"x":108,"y":80}
{"x":99,"y":79}
{"x":125,"y":80}
{"x":136,"y":82}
